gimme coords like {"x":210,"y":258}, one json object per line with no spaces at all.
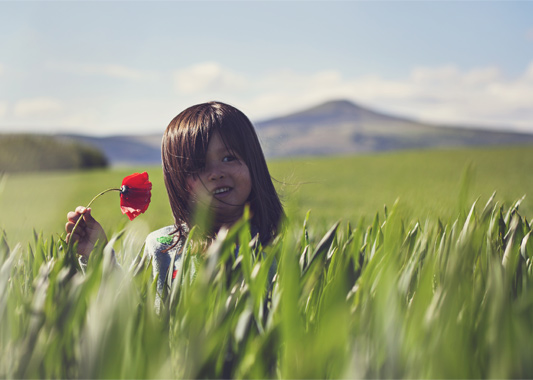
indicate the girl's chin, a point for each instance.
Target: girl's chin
{"x":228,"y":217}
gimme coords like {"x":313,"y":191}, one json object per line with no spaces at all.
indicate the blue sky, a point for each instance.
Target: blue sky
{"x":105,"y":67}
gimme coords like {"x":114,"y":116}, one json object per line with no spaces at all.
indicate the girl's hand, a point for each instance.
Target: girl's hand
{"x":88,"y":232}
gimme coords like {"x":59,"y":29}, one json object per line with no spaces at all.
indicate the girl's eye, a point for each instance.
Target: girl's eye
{"x":229,"y":158}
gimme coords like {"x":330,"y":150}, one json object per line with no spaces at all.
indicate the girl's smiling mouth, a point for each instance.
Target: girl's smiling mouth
{"x":221,"y":190}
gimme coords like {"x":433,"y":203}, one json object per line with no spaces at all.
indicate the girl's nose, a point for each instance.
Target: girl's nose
{"x":215,"y":174}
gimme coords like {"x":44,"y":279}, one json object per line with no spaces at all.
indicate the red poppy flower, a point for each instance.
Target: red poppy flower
{"x":135,"y":194}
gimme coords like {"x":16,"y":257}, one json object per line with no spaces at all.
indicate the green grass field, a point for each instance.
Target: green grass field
{"x":439,"y":286}
{"x":427,"y":183}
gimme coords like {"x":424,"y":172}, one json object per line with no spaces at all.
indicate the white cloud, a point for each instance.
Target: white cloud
{"x":37,"y":107}
{"x":434,"y":75}
{"x":447,"y":95}
{"x":207,"y":77}
{"x":108,"y":70}
{"x":482,"y":76}
{"x":1,"y":69}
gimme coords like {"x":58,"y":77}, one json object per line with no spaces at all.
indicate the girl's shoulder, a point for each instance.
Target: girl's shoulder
{"x":163,"y":239}
{"x":160,"y":234}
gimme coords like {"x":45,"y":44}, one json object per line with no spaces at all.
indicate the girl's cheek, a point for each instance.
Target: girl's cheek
{"x":196,"y":188}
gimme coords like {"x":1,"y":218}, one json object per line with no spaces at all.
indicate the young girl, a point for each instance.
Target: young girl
{"x":212,"y":156}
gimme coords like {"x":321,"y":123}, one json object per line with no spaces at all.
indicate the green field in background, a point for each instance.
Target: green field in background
{"x":427,"y":183}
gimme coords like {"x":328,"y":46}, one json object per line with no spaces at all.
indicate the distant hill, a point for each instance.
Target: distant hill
{"x":342,"y":127}
{"x":126,"y":150}
{"x":335,"y":127}
{"x":31,"y":152}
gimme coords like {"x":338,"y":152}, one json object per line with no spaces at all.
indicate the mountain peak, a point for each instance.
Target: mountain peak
{"x":340,"y":106}
{"x":338,"y":103}
{"x":336,"y":111}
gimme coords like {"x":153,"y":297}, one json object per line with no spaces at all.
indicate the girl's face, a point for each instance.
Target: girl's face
{"x":224,"y":183}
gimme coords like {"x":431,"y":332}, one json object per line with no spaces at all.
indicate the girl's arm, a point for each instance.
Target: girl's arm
{"x":88,"y":232}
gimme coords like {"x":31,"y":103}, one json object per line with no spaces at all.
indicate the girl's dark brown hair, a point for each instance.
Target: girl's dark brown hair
{"x":183,"y":151}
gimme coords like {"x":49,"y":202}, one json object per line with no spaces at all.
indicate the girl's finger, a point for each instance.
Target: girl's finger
{"x":79,"y":232}
{"x":69,"y":226}
{"x":81,"y":209}
{"x":87,"y":215}
{"x":73,"y":216}
{"x":74,"y":238}
{"x":72,"y":222}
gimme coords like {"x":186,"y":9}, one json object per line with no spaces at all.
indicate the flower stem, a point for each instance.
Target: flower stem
{"x":69,"y":247}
